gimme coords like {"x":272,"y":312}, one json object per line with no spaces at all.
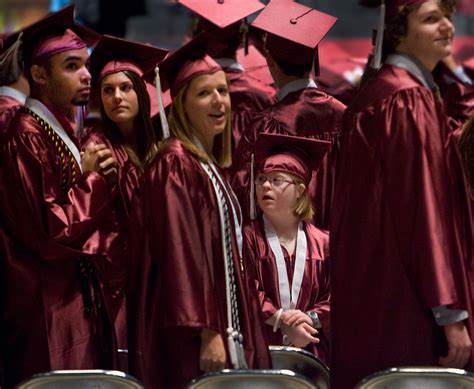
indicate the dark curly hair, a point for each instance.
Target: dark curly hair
{"x":397,"y":26}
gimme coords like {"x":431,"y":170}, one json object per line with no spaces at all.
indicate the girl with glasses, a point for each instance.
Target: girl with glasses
{"x":288,"y":253}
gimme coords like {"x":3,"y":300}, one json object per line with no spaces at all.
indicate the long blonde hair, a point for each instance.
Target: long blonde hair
{"x":181,"y":129}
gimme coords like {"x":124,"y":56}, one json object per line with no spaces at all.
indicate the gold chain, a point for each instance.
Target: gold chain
{"x":67,"y":159}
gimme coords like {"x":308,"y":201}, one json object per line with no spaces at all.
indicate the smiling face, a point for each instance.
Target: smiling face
{"x":277,"y":193}
{"x":207,"y":106}
{"x":430,"y":34}
{"x":119,"y":99}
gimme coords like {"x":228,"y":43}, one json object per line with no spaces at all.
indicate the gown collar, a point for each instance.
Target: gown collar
{"x":412,"y":66}
{"x":13,"y":93}
{"x":296,"y":85}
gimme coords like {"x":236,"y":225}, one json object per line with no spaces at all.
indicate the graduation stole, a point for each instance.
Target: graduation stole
{"x":288,"y":299}
{"x":69,"y":166}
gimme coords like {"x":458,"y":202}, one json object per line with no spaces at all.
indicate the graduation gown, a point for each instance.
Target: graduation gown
{"x":306,"y":112}
{"x":177,"y":276}
{"x":248,"y":95}
{"x":314,"y":293}
{"x":127,"y":183}
{"x":394,"y":236}
{"x":57,"y":223}
{"x":10,"y":101}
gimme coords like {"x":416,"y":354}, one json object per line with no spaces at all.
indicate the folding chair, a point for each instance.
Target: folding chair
{"x":254,"y":379}
{"x":81,"y":379}
{"x":301,"y":362}
{"x":419,"y":377}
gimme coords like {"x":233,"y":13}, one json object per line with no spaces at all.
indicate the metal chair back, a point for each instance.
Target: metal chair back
{"x":255,"y":379}
{"x":81,"y":379}
{"x":419,"y":378}
{"x":302,"y":362}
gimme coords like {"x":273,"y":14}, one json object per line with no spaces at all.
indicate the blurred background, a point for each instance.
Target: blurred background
{"x":164,"y":23}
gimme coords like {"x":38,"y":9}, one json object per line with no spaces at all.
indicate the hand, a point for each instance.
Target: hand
{"x":294,"y":317}
{"x":459,"y":346}
{"x":212,"y":356}
{"x":301,"y":335}
{"x":98,"y":158}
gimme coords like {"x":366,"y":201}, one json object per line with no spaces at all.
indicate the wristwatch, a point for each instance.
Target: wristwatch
{"x":315,"y":319}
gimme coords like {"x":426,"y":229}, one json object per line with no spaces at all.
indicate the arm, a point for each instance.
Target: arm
{"x":39,"y":214}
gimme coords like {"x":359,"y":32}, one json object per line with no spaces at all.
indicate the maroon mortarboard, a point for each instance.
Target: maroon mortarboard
{"x":222,"y":16}
{"x":112,"y":55}
{"x":180,"y":66}
{"x":189,"y":61}
{"x":294,"y":30}
{"x":285,"y":153}
{"x":55,"y":33}
{"x":290,"y":154}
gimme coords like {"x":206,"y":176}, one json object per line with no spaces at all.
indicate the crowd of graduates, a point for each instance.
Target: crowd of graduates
{"x":170,"y":214}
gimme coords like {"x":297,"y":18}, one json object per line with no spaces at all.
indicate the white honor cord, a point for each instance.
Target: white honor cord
{"x":288,"y":301}
{"x":238,"y":227}
{"x":42,"y":111}
{"x":230,"y":339}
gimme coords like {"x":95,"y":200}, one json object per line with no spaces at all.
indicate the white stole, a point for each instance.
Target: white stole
{"x":288,"y":301}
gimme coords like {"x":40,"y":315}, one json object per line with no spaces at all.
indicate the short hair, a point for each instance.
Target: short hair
{"x":303,"y":208}
{"x":397,"y":27}
{"x":180,"y":128}
{"x":147,"y":138}
{"x":291,"y":69}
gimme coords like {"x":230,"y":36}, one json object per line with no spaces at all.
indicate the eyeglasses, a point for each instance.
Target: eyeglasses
{"x":274,"y":181}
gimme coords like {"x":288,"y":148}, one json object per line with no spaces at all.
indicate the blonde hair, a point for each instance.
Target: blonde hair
{"x":303,"y":208}
{"x":181,"y":129}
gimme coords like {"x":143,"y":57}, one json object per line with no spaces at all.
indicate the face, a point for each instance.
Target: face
{"x":430,"y":34}
{"x":119,"y":98}
{"x":67,"y":82}
{"x":207,"y":105}
{"x":277,"y":193}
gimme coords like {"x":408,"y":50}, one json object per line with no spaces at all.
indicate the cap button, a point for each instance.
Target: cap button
{"x":293,"y":21}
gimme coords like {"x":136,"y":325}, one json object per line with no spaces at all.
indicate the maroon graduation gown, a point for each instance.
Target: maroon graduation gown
{"x":248,"y":95}
{"x":177,"y":276}
{"x":127,"y":182}
{"x":458,"y":97}
{"x":57,"y":222}
{"x":310,"y":113}
{"x":8,"y":108}
{"x":314,"y":294}
{"x":394,"y":241}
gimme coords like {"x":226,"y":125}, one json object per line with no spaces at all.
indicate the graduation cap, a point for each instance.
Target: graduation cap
{"x":290,"y":154}
{"x":112,"y":55}
{"x":55,"y":33}
{"x":179,"y":67}
{"x":294,"y":30}
{"x":295,"y":155}
{"x":222,"y":17}
{"x":191,"y":60}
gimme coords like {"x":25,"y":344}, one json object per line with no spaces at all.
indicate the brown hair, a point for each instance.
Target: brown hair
{"x":181,"y":129}
{"x":397,"y":27}
{"x":147,"y":138}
